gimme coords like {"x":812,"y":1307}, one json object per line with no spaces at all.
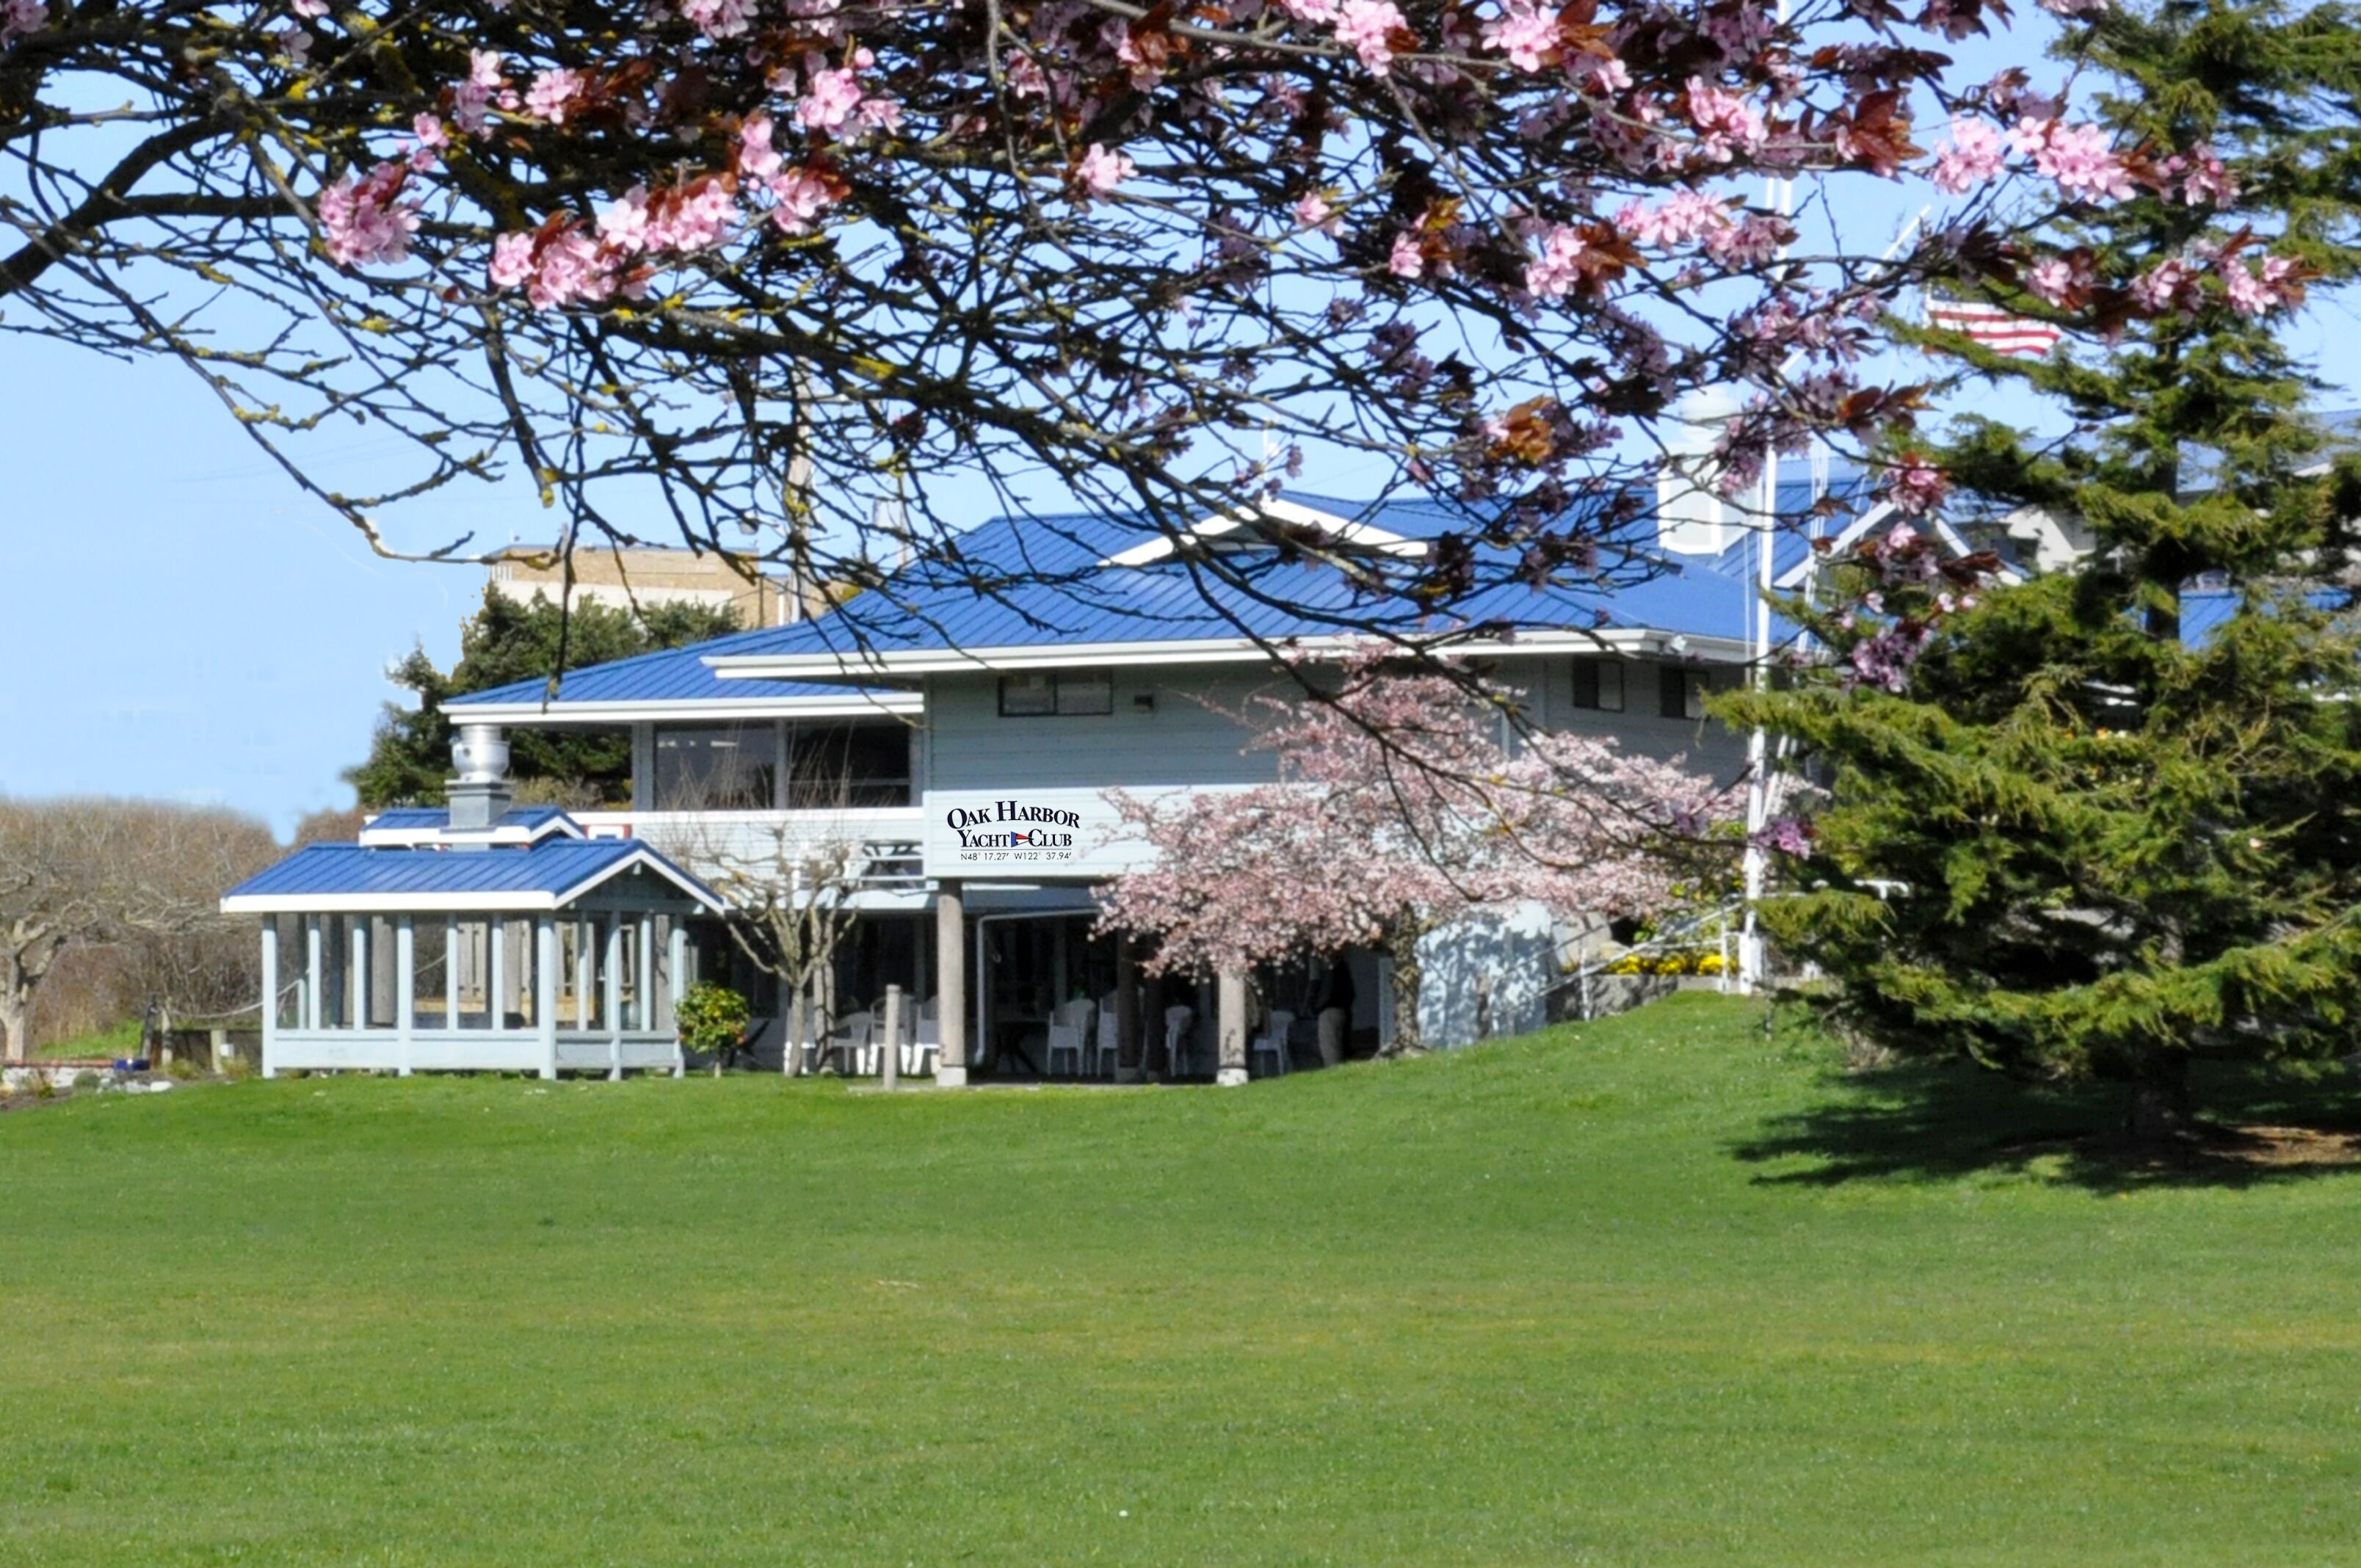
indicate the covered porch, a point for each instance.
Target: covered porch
{"x":568,"y":955}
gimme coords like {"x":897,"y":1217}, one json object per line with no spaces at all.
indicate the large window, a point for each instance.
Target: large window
{"x":1681,"y":692}
{"x":727,"y":768}
{"x":848,"y":764}
{"x":1039,"y":693}
{"x":1598,"y":683}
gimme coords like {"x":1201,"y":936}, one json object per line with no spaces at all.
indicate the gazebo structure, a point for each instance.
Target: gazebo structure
{"x":484,"y":938}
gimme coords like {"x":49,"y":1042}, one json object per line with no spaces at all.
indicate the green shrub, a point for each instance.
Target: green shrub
{"x":713,"y":1021}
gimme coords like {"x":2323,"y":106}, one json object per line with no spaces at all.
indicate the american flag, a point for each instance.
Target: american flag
{"x":1994,"y":327}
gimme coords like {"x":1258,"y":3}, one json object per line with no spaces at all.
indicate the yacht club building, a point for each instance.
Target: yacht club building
{"x":960,"y":746}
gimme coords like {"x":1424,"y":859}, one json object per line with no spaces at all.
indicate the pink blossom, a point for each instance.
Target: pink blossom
{"x":1368,"y":28}
{"x":2204,"y":179}
{"x":551,"y":92}
{"x":511,"y":259}
{"x":1405,"y":260}
{"x":472,"y":100}
{"x":1319,"y":11}
{"x":832,"y":98}
{"x":293,"y":43}
{"x":623,"y":223}
{"x":2061,"y":282}
{"x":20,"y":17}
{"x":1751,"y":242}
{"x":1684,"y":216}
{"x":1526,"y":32}
{"x":368,"y":221}
{"x":566,"y":269}
{"x":1917,"y":487}
{"x":1558,"y":272}
{"x":1100,"y":170}
{"x":693,"y":217}
{"x":2258,"y":292}
{"x":757,"y":160}
{"x":2169,"y":285}
{"x":1727,"y":124}
{"x":2083,"y":162}
{"x":1971,"y":158}
{"x":718,"y":19}
{"x":803,"y":195}
{"x":1313,"y":212}
{"x":310,"y":10}
{"x":1785,"y":834}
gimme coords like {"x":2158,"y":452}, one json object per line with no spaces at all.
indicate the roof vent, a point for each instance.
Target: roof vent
{"x":1691,"y":518}
{"x":481,"y":794}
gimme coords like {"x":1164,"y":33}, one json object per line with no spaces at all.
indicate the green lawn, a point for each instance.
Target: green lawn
{"x":1659,"y":1290}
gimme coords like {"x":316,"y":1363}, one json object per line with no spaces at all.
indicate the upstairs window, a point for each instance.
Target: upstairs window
{"x":848,"y":764}
{"x":1598,"y":683}
{"x":1681,"y":692}
{"x":732,"y":767}
{"x":1042,"y":694}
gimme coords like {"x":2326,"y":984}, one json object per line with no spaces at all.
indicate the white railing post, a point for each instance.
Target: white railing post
{"x":405,"y":991}
{"x":311,"y":1014}
{"x":673,"y":985}
{"x":271,"y":996}
{"x":889,"y":1050}
{"x":611,"y":998}
{"x":545,"y":990}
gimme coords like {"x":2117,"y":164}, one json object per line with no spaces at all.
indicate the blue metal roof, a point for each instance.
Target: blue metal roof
{"x":1044,"y":581}
{"x":436,"y":879}
{"x":672,"y":674}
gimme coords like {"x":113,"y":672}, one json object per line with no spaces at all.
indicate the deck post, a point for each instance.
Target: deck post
{"x":496,"y":977}
{"x":1128,"y":1062}
{"x":545,"y":990}
{"x":647,"y":973}
{"x":357,"y":967}
{"x":1230,"y":1013}
{"x":675,"y":977}
{"x":889,"y":1049}
{"x":950,"y":986}
{"x":310,"y":971}
{"x":611,"y":998}
{"x":271,"y":996}
{"x":405,"y":990}
{"x":451,"y":971}
{"x":585,"y":973}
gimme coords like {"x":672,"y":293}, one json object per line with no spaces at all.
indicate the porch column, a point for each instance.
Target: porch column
{"x":357,"y":980}
{"x":545,"y":990}
{"x":495,"y":982}
{"x":1230,"y":1014}
{"x":405,"y":988}
{"x":1126,"y":1011}
{"x":451,"y":971}
{"x":611,"y":998}
{"x":950,"y":986}
{"x":311,"y":1014}
{"x":675,"y":982}
{"x":585,"y":973}
{"x":647,"y":973}
{"x":269,"y":995}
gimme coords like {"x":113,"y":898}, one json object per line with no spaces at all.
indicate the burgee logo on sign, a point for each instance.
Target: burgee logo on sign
{"x":1012,"y":831}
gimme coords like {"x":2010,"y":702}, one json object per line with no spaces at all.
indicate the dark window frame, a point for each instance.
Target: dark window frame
{"x":1592,"y":682}
{"x":1067,"y":689}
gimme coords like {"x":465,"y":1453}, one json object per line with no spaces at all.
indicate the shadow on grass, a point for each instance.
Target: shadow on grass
{"x":1944,"y":1120}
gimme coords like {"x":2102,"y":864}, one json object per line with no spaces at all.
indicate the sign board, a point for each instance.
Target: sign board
{"x":1051,"y":834}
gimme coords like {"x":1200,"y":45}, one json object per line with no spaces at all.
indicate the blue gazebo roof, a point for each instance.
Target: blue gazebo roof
{"x":358,"y":879}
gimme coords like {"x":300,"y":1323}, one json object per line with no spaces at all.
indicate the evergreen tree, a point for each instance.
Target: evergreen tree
{"x":510,"y":640}
{"x":2107,"y":821}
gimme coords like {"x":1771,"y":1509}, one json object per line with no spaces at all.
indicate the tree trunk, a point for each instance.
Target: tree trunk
{"x":16,"y":1014}
{"x":2159,"y":1107}
{"x":1401,"y":947}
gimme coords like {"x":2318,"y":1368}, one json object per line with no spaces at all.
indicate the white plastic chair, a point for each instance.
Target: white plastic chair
{"x":1106,"y":1049}
{"x":850,"y":1044}
{"x":1180,"y":1024}
{"x":1068,"y":1028}
{"x":924,"y":1048}
{"x":1273,"y":1043}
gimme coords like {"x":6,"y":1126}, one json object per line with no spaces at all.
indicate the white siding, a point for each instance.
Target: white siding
{"x":1182,"y":741}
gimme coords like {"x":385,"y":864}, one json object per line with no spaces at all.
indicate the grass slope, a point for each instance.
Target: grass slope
{"x":1587,"y":1296}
